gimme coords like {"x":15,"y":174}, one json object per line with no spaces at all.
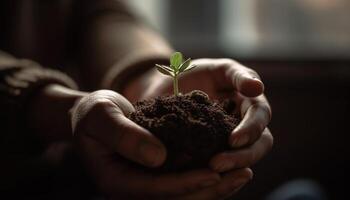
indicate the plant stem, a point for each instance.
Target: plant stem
{"x":176,"y":85}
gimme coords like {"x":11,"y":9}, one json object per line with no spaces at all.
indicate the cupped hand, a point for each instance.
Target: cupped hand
{"x":110,"y":145}
{"x":226,"y":78}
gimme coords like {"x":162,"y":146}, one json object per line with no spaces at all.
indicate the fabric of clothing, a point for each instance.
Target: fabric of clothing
{"x":86,"y":44}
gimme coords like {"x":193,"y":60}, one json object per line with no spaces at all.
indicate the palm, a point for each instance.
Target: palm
{"x":207,"y":76}
{"x":200,"y":78}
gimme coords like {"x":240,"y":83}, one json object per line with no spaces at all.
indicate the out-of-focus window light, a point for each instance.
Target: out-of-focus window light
{"x":254,"y":28}
{"x":238,"y":30}
{"x":287,"y":29}
{"x":152,"y":12}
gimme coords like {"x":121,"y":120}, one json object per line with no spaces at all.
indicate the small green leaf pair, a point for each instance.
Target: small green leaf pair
{"x":177,"y":66}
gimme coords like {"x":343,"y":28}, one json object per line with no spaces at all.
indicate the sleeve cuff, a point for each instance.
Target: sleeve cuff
{"x":20,"y":79}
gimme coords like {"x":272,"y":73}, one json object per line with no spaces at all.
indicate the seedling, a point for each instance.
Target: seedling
{"x":204,"y":125}
{"x":177,"y":66}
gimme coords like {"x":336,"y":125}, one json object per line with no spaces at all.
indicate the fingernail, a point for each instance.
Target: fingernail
{"x":240,"y":141}
{"x":261,"y":83}
{"x":151,"y":154}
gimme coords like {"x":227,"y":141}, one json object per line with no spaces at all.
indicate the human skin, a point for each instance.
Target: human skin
{"x":223,"y":78}
{"x":102,"y":135}
{"x":101,"y":131}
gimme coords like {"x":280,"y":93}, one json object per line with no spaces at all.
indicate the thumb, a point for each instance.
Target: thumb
{"x":125,"y":137}
{"x":244,"y":80}
{"x":107,"y":124}
{"x":134,"y":142}
{"x":247,"y":83}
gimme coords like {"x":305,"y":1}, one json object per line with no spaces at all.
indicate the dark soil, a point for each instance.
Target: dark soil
{"x":192,"y":127}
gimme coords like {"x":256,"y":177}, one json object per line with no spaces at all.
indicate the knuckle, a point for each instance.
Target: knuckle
{"x":257,"y":130}
{"x":227,"y":61}
{"x":97,"y":110}
{"x":254,"y":132}
{"x":101,"y":106}
{"x":253,"y":73}
{"x":263,"y":108}
{"x":232,"y":62}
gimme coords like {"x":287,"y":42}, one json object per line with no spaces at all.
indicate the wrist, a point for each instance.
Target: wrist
{"x":48,"y":112}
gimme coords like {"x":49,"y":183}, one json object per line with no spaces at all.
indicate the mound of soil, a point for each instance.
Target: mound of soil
{"x":192,"y":127}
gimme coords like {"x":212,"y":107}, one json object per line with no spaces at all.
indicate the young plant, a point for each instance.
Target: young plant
{"x":177,"y":66}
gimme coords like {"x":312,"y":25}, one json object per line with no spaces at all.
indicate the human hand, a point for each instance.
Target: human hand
{"x":220,"y":79}
{"x":105,"y":137}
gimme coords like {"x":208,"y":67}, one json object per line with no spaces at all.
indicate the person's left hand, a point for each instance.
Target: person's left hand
{"x":220,"y":79}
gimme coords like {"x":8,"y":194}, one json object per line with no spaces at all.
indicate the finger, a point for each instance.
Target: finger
{"x":256,"y":116}
{"x":245,"y":80}
{"x":245,"y":157}
{"x":162,"y":186}
{"x":181,"y":183}
{"x":120,"y":101}
{"x":229,"y":184}
{"x":116,"y":178}
{"x":125,"y":137}
{"x":147,"y":186}
{"x":105,"y":122}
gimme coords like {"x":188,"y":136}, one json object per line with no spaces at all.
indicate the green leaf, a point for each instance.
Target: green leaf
{"x":190,"y":67}
{"x":166,"y":67}
{"x":176,"y":60}
{"x":165,"y":70}
{"x":184,"y":65}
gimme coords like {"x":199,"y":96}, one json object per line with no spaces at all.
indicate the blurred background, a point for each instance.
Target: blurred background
{"x":301,"y":48}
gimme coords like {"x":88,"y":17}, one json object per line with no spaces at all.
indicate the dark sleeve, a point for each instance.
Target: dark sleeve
{"x":20,"y":78}
{"x":20,"y":152}
{"x":116,"y":45}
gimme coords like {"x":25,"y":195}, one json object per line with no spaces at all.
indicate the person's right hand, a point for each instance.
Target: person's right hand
{"x":107,"y":141}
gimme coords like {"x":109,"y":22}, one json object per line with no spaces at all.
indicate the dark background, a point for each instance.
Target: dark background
{"x":310,"y":102}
